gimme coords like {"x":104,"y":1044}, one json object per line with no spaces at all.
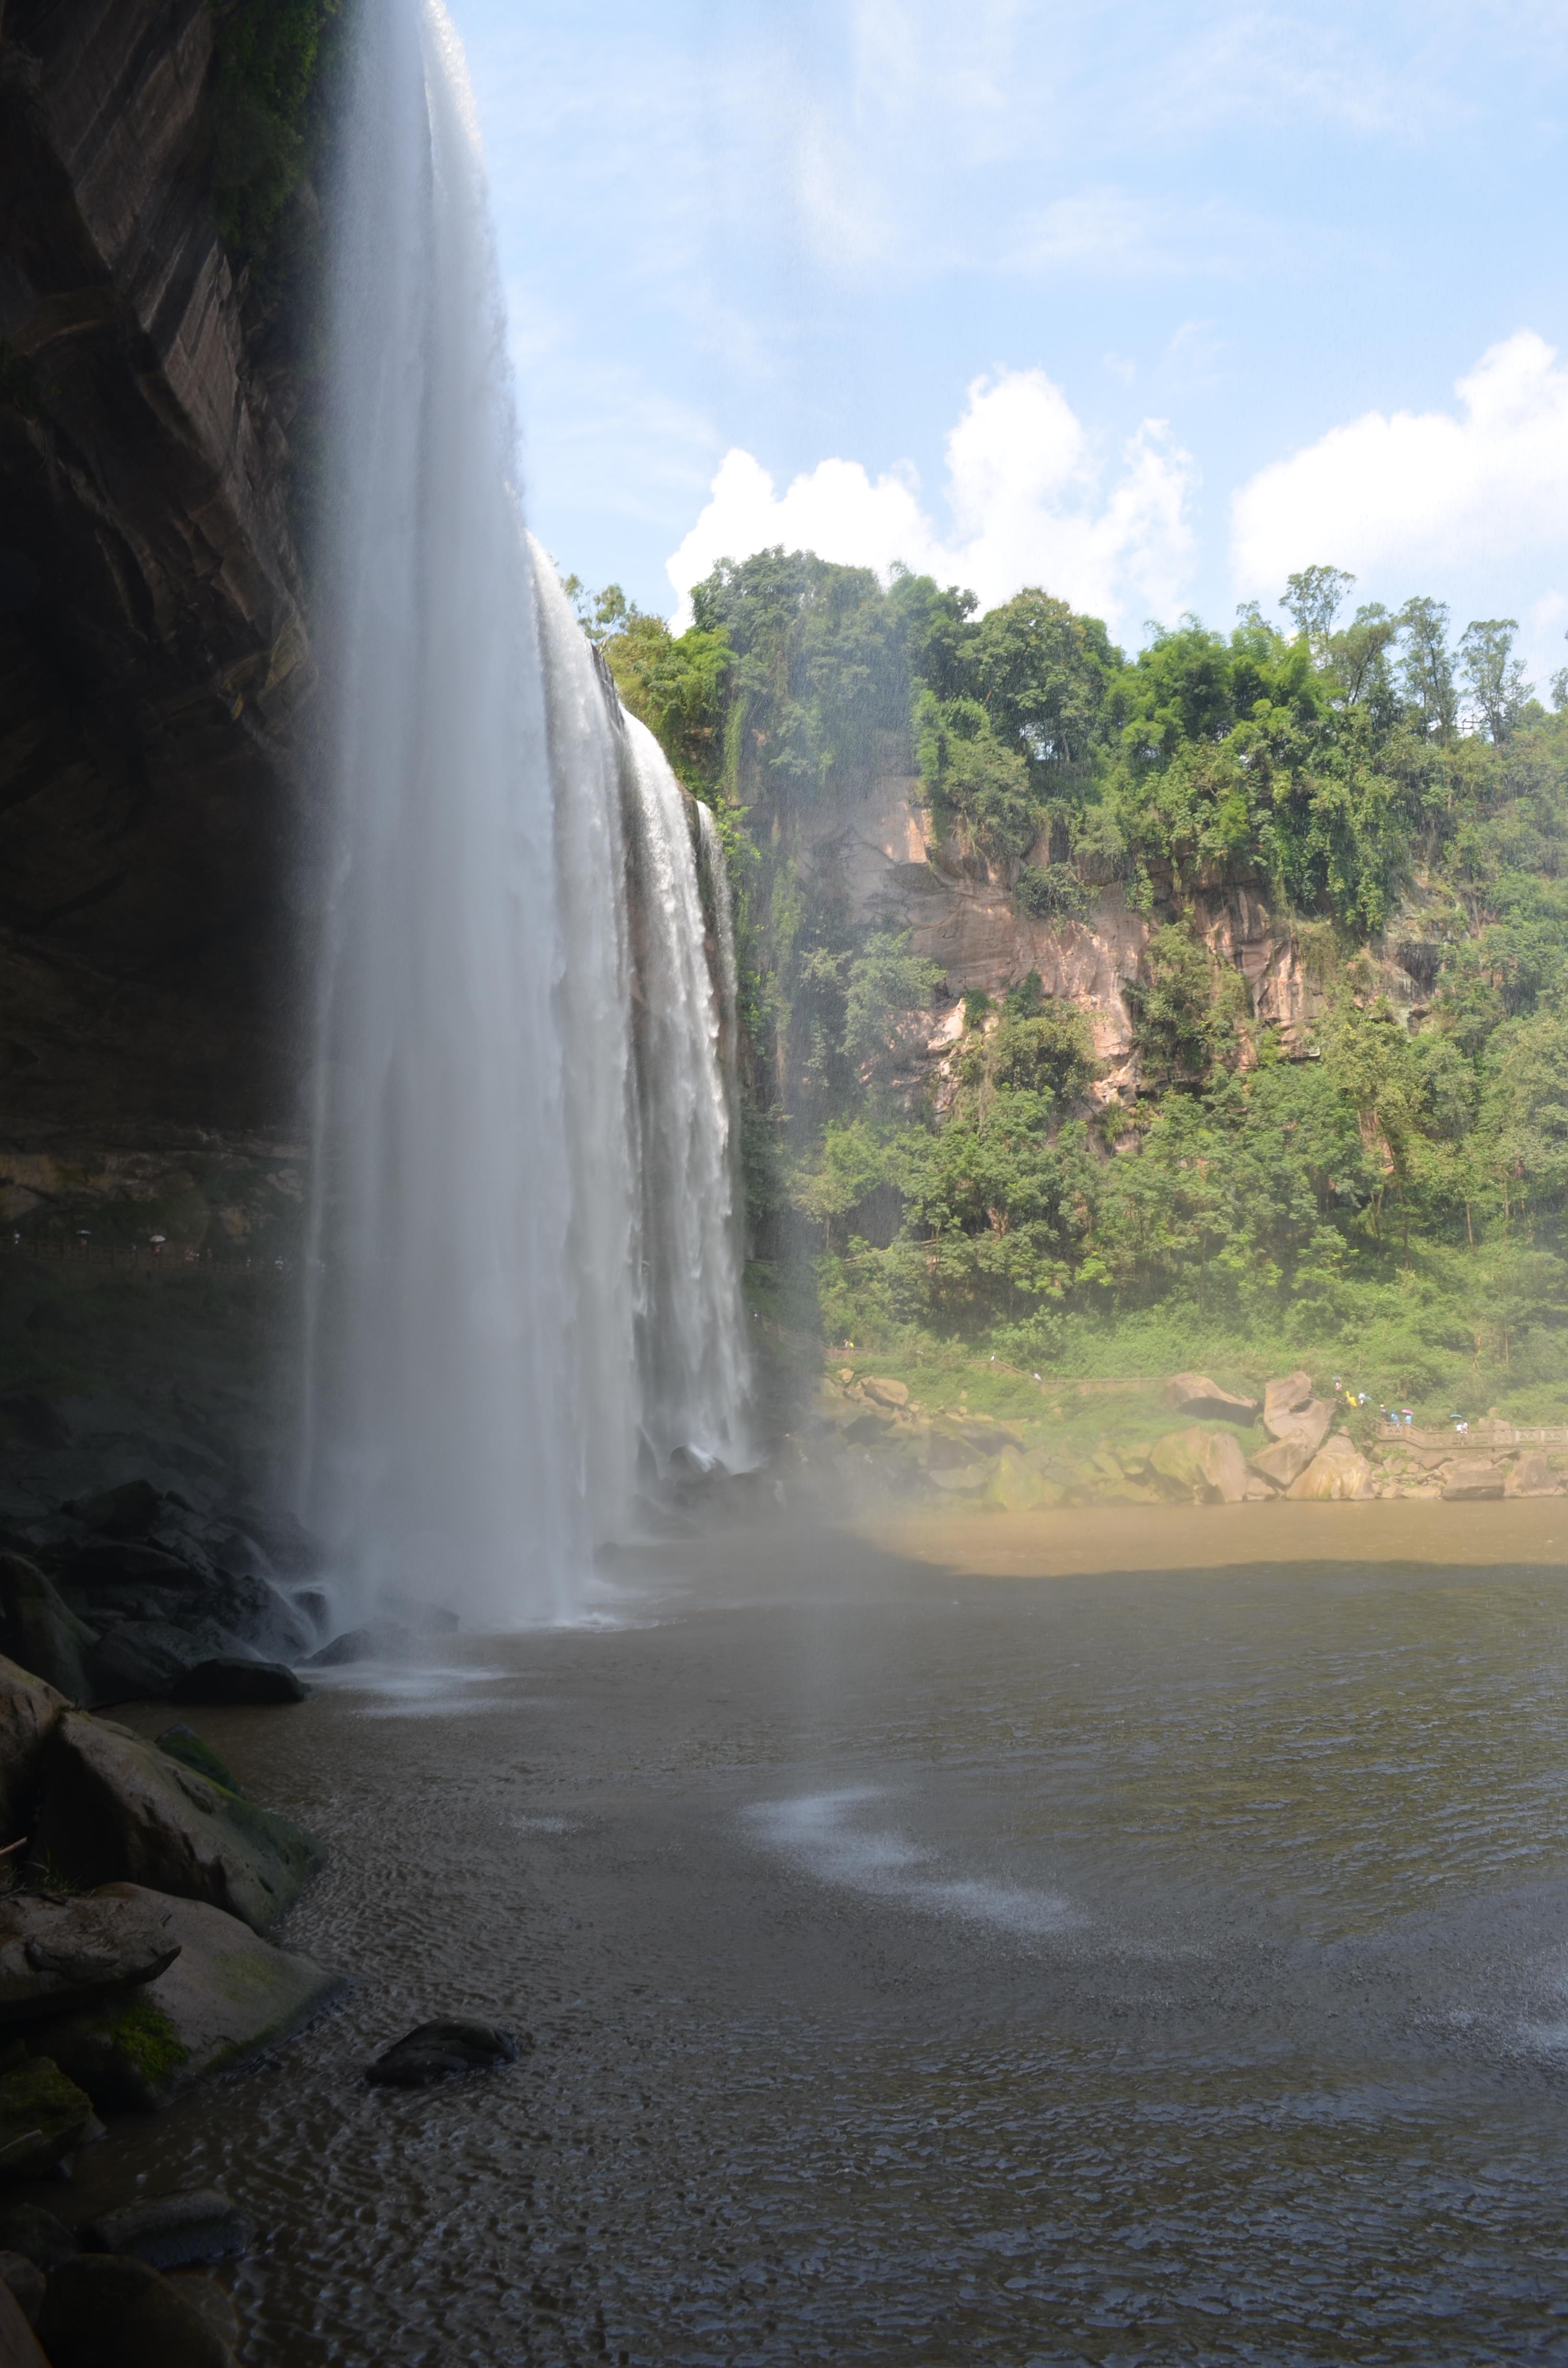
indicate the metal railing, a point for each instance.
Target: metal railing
{"x":1485,"y":1433}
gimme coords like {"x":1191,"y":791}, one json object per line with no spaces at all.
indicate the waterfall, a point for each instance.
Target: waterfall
{"x":521,"y":1037}
{"x":691,"y":1357}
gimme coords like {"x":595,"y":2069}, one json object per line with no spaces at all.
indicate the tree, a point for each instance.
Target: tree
{"x":673,"y":684}
{"x":1042,"y":675}
{"x":1178,"y":1008}
{"x":1427,"y":667}
{"x":974,"y":779}
{"x":1050,"y":1052}
{"x":1358,"y":658}
{"x":1314,"y":598}
{"x":885,"y":982}
{"x":1492,"y":674}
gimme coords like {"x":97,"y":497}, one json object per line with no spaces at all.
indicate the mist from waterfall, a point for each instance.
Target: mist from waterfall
{"x":524,"y":1299}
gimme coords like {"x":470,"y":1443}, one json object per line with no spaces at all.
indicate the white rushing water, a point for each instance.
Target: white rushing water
{"x":524,"y":1264}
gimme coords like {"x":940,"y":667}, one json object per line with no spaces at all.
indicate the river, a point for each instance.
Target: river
{"x":930,"y":1962}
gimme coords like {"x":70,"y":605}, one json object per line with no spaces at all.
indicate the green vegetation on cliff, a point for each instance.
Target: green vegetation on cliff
{"x":1383,"y":1186}
{"x":268,"y":127}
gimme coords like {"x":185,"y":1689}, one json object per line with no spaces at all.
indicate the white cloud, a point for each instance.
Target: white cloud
{"x":1027,"y":500}
{"x":1432,"y":491}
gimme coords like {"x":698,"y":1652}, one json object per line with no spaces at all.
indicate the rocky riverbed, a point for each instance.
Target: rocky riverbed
{"x":1193,"y":1441}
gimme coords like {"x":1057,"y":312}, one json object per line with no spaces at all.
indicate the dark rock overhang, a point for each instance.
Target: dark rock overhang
{"x":155,"y":666}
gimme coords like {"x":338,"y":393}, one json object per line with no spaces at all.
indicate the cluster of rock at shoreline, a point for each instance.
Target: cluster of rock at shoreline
{"x":134,"y":1961}
{"x":875,"y":1425}
{"x":126,"y":1595}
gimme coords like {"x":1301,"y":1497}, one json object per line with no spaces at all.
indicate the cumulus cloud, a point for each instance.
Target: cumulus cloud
{"x":1430,"y":493}
{"x":1029,"y":501}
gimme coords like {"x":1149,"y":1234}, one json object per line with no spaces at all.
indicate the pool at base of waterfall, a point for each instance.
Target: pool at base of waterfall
{"x":1127,"y":1968}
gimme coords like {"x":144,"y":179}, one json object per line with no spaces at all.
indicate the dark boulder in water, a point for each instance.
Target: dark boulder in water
{"x":43,"y":2115}
{"x":384,"y":1642}
{"x":110,"y":2310}
{"x":443,"y":2051}
{"x":229,"y":1678}
{"x":54,"y":1951}
{"x":140,"y":1660}
{"x":37,"y":2234}
{"x":172,"y":2231}
{"x":227,"y":1994}
{"x":115,"y":1809}
{"x":179,"y":1743}
{"x":39,"y":1631}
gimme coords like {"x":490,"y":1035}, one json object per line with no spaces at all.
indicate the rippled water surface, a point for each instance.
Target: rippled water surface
{"x":1131,"y":1969}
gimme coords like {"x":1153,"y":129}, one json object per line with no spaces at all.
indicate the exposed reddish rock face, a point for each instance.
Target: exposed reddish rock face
{"x":881,"y":846}
{"x":155,"y":668}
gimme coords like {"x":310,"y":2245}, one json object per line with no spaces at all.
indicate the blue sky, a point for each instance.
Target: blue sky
{"x":1147,"y":303}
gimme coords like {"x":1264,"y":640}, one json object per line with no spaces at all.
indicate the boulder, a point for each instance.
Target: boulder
{"x":26,"y":2228}
{"x":110,"y":2310}
{"x":174,"y":2231}
{"x":886,"y":1393}
{"x":1338,"y":1470}
{"x":1531,"y":1475}
{"x":44,"y":2115}
{"x":1209,"y":1465}
{"x":53,"y":1950}
{"x":1472,"y":1479}
{"x":25,"y":2281}
{"x":142,"y":1660}
{"x":948,"y":1449}
{"x":984,"y":1432}
{"x":179,"y":1743}
{"x":1195,"y":1393}
{"x":29,"y":1713}
{"x":383,"y":1642}
{"x":1019,"y":1487}
{"x":39,"y":1631}
{"x":226,"y":1995}
{"x":430,"y":1619}
{"x":1285,"y":1398}
{"x":19,"y":2344}
{"x":1296,"y":1440}
{"x":128,"y":1511}
{"x":959,"y":1479}
{"x":123,"y":1562}
{"x":441,"y":2051}
{"x":212,"y":2304}
{"x":118,"y":1810}
{"x":229,"y":1678}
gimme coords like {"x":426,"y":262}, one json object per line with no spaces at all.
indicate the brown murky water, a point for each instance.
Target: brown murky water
{"x":1130,"y":1968}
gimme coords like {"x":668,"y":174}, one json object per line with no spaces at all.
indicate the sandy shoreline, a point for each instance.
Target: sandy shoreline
{"x":1084,"y":1538}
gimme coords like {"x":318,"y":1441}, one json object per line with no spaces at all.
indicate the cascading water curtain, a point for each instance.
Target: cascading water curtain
{"x":651,"y":989}
{"x":524,"y":1288}
{"x":444,"y":1408}
{"x":693,"y":1358}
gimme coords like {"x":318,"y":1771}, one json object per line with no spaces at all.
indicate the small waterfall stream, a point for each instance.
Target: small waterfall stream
{"x":524,"y":1296}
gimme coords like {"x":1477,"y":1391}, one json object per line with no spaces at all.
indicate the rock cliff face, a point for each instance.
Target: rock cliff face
{"x":880,"y":849}
{"x":155,"y":668}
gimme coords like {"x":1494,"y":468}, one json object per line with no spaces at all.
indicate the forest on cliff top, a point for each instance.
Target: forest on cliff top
{"x":1392,"y":1202}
